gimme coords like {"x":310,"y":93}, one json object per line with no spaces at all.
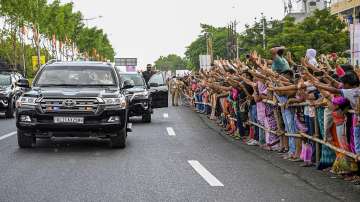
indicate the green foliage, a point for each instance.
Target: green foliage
{"x":171,"y":62}
{"x":198,"y":47}
{"x":322,"y":31}
{"x":53,"y":18}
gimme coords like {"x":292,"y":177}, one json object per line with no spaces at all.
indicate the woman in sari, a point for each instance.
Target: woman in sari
{"x":343,"y":164}
{"x":326,"y":128}
{"x":259,"y":92}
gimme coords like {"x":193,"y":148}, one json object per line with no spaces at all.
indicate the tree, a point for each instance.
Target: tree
{"x":171,"y":62}
{"x":46,"y":22}
{"x":322,"y":31}
{"x":198,"y":47}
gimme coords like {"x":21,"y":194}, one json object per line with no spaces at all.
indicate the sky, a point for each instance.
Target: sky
{"x":148,"y":29}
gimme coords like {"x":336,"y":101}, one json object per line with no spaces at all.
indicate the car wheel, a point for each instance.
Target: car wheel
{"x":25,"y":141}
{"x":119,"y":141}
{"x":146,"y":118}
{"x":10,"y":111}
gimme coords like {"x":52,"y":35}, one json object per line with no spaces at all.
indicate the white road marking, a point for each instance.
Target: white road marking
{"x":170,"y":131}
{"x":166,"y":115}
{"x":8,"y":135}
{"x":208,"y":177}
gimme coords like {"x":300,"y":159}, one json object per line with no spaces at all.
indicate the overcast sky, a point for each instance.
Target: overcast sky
{"x":147,"y":29}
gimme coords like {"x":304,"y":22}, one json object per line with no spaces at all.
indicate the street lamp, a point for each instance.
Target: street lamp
{"x":264,"y":27}
{"x":264,"y":31}
{"x":91,"y":19}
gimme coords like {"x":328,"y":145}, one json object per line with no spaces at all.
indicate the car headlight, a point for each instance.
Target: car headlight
{"x":26,"y":101}
{"x":140,"y":95}
{"x":145,"y":94}
{"x":120,"y":101}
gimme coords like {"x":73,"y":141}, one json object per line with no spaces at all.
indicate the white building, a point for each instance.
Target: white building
{"x":300,"y":9}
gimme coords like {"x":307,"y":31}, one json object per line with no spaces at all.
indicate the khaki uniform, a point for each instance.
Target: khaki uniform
{"x":175,"y":89}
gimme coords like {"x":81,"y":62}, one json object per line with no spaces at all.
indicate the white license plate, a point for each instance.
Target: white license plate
{"x":76,"y":120}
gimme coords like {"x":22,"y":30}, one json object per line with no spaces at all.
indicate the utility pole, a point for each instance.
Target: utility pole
{"x":232,"y":44}
{"x":263,"y":30}
{"x":91,"y":19}
{"x":209,"y":45}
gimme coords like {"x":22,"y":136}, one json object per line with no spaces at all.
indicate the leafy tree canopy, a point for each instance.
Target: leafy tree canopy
{"x":171,"y":62}
{"x":322,"y":31}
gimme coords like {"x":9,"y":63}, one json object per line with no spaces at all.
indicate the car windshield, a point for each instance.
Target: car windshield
{"x":5,"y":80}
{"x":137,"y":78}
{"x":76,"y":76}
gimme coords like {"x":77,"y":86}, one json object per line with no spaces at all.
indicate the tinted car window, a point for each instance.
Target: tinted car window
{"x":158,"y":79}
{"x":76,"y":76}
{"x":5,"y":80}
{"x":137,"y":78}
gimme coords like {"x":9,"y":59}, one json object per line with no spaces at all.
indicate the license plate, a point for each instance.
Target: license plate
{"x":76,"y":120}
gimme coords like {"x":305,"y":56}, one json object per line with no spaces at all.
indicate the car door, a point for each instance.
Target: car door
{"x":159,"y":91}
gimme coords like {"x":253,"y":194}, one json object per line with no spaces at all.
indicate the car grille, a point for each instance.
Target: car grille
{"x":69,"y":105}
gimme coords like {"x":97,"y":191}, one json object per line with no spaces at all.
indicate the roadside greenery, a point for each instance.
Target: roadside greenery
{"x":54,"y":29}
{"x":322,"y":31}
{"x":171,"y":62}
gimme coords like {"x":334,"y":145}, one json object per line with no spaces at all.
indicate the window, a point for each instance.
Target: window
{"x":137,"y":78}
{"x":312,"y":3}
{"x":158,"y":79}
{"x":5,"y":80}
{"x":86,"y":76}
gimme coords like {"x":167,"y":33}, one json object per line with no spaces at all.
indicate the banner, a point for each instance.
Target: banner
{"x":124,"y":62}
{"x":130,"y":69}
{"x":35,"y":61}
{"x":205,"y":61}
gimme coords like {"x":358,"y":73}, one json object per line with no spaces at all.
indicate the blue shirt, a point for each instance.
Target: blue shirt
{"x":280,"y":64}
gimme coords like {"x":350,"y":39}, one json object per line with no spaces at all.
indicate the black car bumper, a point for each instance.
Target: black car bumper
{"x":139,"y":107}
{"x":42,"y":125}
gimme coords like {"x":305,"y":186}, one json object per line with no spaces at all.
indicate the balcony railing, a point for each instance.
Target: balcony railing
{"x":343,"y":5}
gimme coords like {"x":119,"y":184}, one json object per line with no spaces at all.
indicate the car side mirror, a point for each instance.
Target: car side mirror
{"x":23,"y":83}
{"x":152,"y":85}
{"x":128,"y":84}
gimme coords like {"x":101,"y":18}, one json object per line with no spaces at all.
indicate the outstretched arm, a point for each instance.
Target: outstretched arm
{"x":327,"y":88}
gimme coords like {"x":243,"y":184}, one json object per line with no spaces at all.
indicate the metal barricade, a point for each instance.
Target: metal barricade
{"x":281,"y":132}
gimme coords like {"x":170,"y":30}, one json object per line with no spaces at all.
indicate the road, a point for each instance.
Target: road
{"x":180,"y":156}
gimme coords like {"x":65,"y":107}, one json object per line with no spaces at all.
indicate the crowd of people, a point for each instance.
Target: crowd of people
{"x":271,"y":103}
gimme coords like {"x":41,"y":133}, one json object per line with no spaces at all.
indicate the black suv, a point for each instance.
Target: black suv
{"x":9,"y":91}
{"x":73,"y":99}
{"x":143,"y":98}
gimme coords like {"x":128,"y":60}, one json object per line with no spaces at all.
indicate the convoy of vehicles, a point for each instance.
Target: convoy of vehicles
{"x":84,"y":99}
{"x":143,"y":98}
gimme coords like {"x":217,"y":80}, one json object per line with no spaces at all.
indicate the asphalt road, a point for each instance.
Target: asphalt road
{"x":179,"y":157}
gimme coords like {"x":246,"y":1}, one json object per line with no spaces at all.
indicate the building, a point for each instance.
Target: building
{"x":303,"y":8}
{"x":345,"y":7}
{"x":349,"y":10}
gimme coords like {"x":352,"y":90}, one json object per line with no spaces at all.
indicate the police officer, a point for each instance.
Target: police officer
{"x":175,"y":88}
